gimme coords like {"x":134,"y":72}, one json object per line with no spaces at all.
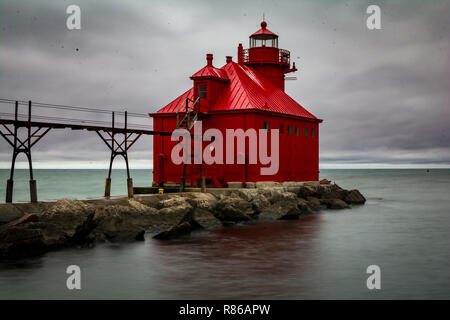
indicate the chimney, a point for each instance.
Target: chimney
{"x":240,"y":54}
{"x":229,"y":59}
{"x":209,"y":59}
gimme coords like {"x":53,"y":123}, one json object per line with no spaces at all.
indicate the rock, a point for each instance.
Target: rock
{"x":140,"y":208}
{"x":333,"y":194}
{"x":246,"y":194}
{"x":67,"y":222}
{"x":116,"y":223}
{"x":201,"y":200}
{"x":123,"y":222}
{"x":172,"y":202}
{"x":334,"y":203}
{"x":354,"y":197}
{"x":20,"y":241}
{"x":24,"y":219}
{"x":307,"y":191}
{"x":206,"y":219}
{"x":314,"y":203}
{"x":281,"y":210}
{"x":71,"y":222}
{"x":67,"y":206}
{"x":325,"y":181}
{"x":233,"y":210}
{"x":8,"y":213}
{"x":177,"y":210}
{"x":152,"y":200}
{"x":174,"y":232}
{"x":268,"y":184}
{"x":276,"y":194}
{"x":304,"y":206}
{"x":185,"y":226}
{"x":259,"y":203}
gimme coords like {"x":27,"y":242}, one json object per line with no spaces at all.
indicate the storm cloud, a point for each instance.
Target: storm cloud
{"x":384,"y":95}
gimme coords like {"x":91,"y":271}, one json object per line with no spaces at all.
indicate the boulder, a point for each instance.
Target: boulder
{"x":268,"y":184}
{"x":67,"y":222}
{"x":118,"y":223}
{"x":21,"y":241}
{"x":27,"y":217}
{"x":281,"y":210}
{"x":354,"y":197}
{"x":304,"y":206}
{"x":201,"y":200}
{"x":334,"y":203}
{"x":176,"y":231}
{"x":246,"y":194}
{"x":233,"y":210}
{"x":151,"y":200}
{"x":277,"y":194}
{"x":9,"y":212}
{"x":307,"y":191}
{"x":314,"y":203}
{"x":185,"y":226}
{"x":124,"y":222}
{"x":259,"y":203}
{"x":172,"y":202}
{"x":206,"y":219}
{"x":178,"y":210}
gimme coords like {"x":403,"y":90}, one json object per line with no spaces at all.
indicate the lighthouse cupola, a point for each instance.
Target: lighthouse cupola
{"x":264,"y":55}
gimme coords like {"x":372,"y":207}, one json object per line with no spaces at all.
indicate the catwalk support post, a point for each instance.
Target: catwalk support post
{"x":9,"y":130}
{"x":119,"y":147}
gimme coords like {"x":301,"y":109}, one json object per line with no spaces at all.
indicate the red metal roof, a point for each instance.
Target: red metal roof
{"x":264,"y":31}
{"x":247,"y":90}
{"x":210,"y":72}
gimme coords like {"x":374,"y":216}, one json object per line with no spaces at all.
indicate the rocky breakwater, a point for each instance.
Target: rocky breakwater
{"x":32,"y":229}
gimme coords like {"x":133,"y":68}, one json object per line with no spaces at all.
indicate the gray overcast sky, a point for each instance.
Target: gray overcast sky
{"x":384,"y":94}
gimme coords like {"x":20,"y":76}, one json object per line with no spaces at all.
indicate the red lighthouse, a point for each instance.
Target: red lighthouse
{"x":247,"y":95}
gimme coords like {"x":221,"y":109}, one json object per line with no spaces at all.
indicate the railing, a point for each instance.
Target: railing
{"x":284,"y":56}
{"x":266,"y":55}
{"x":187,"y":116}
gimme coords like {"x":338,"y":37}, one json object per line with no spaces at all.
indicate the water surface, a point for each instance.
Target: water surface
{"x":403,"y":228}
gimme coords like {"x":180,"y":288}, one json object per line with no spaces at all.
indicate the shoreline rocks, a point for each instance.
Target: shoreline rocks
{"x":33,"y":229}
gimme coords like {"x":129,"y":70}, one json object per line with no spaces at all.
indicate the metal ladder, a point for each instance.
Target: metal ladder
{"x":188,"y":121}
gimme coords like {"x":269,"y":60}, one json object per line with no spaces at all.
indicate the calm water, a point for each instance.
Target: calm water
{"x":403,"y":228}
{"x":76,"y":184}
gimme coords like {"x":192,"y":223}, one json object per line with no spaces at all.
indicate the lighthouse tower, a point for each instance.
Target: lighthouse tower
{"x":264,"y":55}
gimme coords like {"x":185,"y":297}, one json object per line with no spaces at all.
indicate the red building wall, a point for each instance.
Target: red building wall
{"x":298,"y":154}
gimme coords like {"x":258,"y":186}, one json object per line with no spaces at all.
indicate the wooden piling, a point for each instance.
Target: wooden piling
{"x":33,"y":191}
{"x":108,"y":187}
{"x":9,"y":190}
{"x":203,"y":184}
{"x":130,"y":188}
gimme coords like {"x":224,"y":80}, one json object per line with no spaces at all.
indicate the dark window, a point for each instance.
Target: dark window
{"x":306,"y":132}
{"x":312,"y":132}
{"x":281,"y":128}
{"x":202,"y":89}
{"x":265,"y":125}
{"x":289,"y":130}
{"x":297,"y":131}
